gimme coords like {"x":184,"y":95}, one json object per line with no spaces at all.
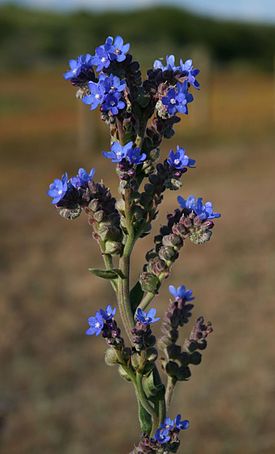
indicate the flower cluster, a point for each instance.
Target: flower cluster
{"x":184,"y":68}
{"x":202,"y":210}
{"x":142,"y":334}
{"x":70,"y":189}
{"x":169,"y":429}
{"x":81,"y":70}
{"x":103,"y":323}
{"x":139,"y":114}
{"x":127,"y":152}
{"x":107,"y":93}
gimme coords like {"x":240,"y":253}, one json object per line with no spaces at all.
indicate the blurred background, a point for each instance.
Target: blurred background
{"x":56,"y":394}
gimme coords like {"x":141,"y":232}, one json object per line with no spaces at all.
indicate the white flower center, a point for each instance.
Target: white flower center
{"x":177,"y":161}
{"x":60,"y":191}
{"x":97,"y":96}
{"x":173,"y":101}
{"x":103,"y":59}
{"x":97,"y":325}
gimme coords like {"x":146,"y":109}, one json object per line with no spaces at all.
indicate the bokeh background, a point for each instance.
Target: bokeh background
{"x":56,"y":394}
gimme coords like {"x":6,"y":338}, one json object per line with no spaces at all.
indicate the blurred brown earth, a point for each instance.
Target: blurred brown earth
{"x":57,"y":395}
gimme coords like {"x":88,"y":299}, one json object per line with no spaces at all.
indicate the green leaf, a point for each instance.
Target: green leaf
{"x":136,"y":295}
{"x":144,"y":419}
{"x":152,"y":386}
{"x":107,"y":274}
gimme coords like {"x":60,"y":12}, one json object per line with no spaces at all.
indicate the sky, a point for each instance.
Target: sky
{"x":248,"y":10}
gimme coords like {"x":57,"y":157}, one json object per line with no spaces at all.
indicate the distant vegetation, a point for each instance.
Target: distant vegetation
{"x":31,"y":37}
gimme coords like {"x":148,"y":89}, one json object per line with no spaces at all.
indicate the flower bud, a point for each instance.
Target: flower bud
{"x":149,"y":282}
{"x":99,"y":215}
{"x":151,"y":354}
{"x":70,"y":213}
{"x":172,"y":369}
{"x":198,"y":236}
{"x":168,"y":254}
{"x":113,"y":247}
{"x":172,"y":240}
{"x":111,"y":357}
{"x":123,"y":373}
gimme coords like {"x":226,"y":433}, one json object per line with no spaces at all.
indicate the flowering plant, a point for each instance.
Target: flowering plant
{"x":140,"y":114}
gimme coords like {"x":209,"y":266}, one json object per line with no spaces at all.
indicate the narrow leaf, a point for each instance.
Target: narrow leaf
{"x":107,"y":274}
{"x":136,"y":296}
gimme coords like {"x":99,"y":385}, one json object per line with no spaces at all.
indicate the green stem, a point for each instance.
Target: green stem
{"x":107,"y":258}
{"x":145,"y":403}
{"x":170,"y":387}
{"x":148,"y":297}
{"x":124,"y":265}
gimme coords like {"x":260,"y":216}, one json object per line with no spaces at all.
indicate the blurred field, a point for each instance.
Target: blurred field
{"x":57,"y":395}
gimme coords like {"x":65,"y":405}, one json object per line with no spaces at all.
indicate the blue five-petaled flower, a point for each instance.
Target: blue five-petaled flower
{"x":181,"y":293}
{"x":107,"y":92}
{"x":113,"y":49}
{"x":177,"y":99}
{"x":185,"y":68}
{"x":162,"y":436}
{"x":178,"y":159}
{"x":58,"y":188}
{"x":146,"y":318}
{"x":82,"y":178}
{"x":109,"y":313}
{"x":96,"y":324}
{"x":202,"y":210}
{"x":78,"y":66}
{"x":119,"y":152}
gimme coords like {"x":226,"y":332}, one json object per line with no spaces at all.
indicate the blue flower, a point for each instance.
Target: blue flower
{"x":78,"y":66}
{"x":162,"y":436}
{"x":113,"y":103}
{"x":181,"y":293}
{"x":168,"y":424}
{"x":135,"y":156}
{"x":177,"y":98}
{"x":146,"y":318}
{"x":101,"y":58}
{"x":82,"y":178}
{"x":96,"y":324}
{"x":170,"y":64}
{"x":118,"y":151}
{"x":58,"y":189}
{"x":116,"y":48}
{"x":108,"y":313}
{"x":203,"y":210}
{"x":179,"y":159}
{"x":96,"y":96}
{"x":181,"y":424}
{"x":187,"y":68}
{"x":112,"y":83}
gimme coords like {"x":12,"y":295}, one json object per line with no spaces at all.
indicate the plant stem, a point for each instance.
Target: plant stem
{"x":148,"y":297}
{"x":107,"y":258}
{"x":171,"y":383}
{"x":145,"y":403}
{"x":124,"y":265}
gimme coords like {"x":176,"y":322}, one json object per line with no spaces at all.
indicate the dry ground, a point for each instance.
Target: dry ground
{"x":57,"y":395}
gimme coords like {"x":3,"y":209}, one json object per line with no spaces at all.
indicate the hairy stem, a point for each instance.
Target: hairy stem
{"x":145,"y":403}
{"x":171,"y":383}
{"x":124,"y":265}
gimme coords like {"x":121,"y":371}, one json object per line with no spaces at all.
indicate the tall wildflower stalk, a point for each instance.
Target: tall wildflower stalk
{"x":139,"y":115}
